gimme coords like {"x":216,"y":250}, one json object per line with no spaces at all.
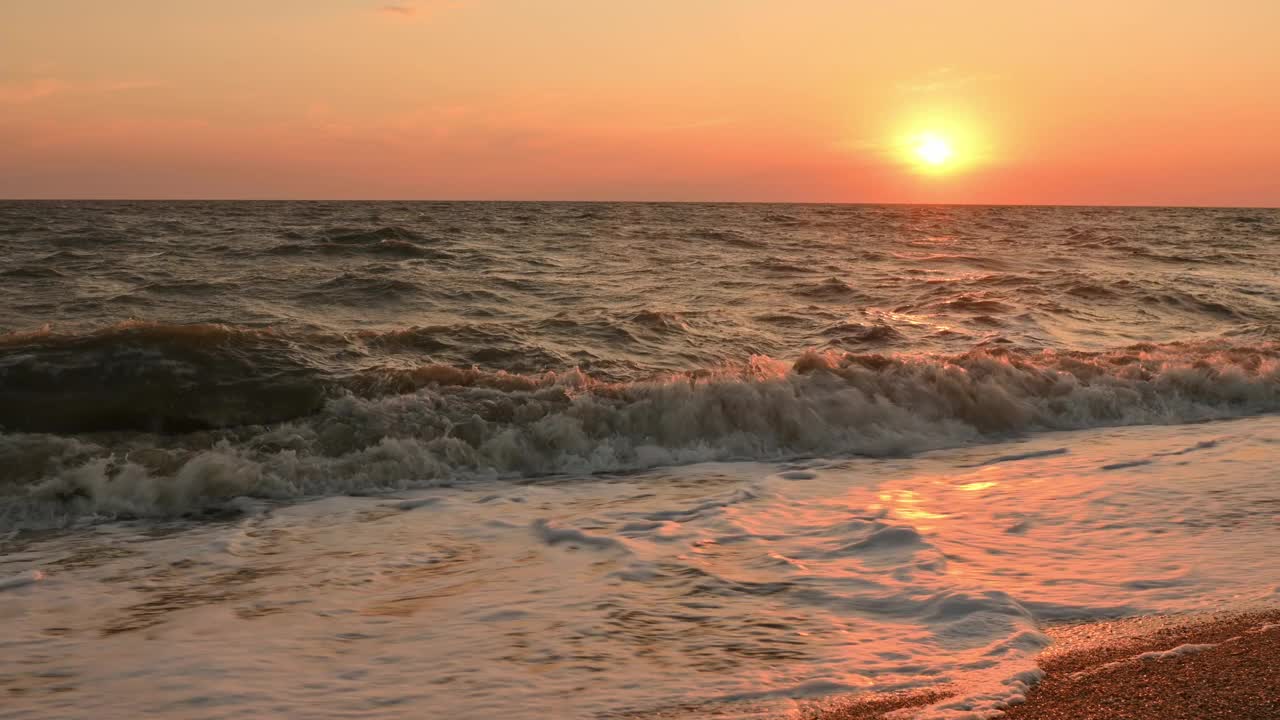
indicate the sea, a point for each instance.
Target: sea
{"x":632,"y":460}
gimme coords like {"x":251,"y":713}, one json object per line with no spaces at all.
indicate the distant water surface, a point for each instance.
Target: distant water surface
{"x":627,"y":290}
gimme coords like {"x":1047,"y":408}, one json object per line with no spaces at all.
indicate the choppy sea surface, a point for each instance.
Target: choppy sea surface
{"x":537,"y":460}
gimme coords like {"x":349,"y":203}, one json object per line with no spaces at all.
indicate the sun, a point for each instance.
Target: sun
{"x":940,"y":145}
{"x":933,"y":149}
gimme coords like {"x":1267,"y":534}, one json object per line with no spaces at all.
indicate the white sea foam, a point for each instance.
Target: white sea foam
{"x":477,"y":425}
{"x":1186,"y":649}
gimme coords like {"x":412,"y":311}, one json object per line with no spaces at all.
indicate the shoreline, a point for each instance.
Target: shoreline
{"x":1210,"y":666}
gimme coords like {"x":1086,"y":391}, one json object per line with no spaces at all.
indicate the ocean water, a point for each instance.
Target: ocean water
{"x":534,"y":460}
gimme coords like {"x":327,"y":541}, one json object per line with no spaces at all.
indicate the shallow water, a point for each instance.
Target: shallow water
{"x":600,"y":460}
{"x":730,"y":588}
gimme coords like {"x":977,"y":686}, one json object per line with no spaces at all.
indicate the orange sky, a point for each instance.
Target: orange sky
{"x":1119,"y":102}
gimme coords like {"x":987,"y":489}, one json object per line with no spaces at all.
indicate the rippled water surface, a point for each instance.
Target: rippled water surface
{"x":477,"y":459}
{"x":624,"y":290}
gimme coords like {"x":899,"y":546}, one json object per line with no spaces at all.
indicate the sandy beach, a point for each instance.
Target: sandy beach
{"x":1202,"y":667}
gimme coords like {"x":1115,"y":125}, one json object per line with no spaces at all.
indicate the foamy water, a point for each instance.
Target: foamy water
{"x":736,"y":589}
{"x":555,"y":460}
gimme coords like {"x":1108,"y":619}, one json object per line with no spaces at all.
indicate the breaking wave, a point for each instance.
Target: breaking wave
{"x":280,"y":428}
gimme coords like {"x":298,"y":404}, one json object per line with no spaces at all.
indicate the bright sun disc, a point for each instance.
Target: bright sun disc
{"x":933,"y":149}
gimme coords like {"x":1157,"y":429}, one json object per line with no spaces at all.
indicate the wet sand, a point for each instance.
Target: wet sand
{"x":1098,"y":671}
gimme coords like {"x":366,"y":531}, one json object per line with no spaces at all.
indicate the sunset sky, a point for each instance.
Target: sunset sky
{"x":1090,"y":102}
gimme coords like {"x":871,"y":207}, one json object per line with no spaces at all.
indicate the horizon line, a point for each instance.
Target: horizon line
{"x":634,"y":202}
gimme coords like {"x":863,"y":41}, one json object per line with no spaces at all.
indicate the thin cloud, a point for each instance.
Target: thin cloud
{"x":401,"y":10}
{"x":31,"y":90}
{"x":126,"y":85}
{"x":937,"y":80}
{"x":414,"y":10}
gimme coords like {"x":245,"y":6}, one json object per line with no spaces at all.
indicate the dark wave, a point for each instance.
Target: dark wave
{"x":972,"y":303}
{"x":32,"y":272}
{"x":373,"y":237}
{"x":364,"y":285}
{"x":859,"y":333}
{"x":385,"y":248}
{"x":728,"y":237}
{"x":831,"y":288}
{"x":390,"y":241}
{"x":783,"y":219}
{"x":153,"y":377}
{"x":176,"y":378}
{"x":156,"y":377}
{"x":776,"y":264}
{"x":986,"y":263}
{"x":659,"y":320}
{"x":1091,"y":291}
{"x":395,"y":427}
{"x":1184,"y":300}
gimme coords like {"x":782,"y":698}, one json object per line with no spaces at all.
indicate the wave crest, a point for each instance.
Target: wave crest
{"x":445,"y":424}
